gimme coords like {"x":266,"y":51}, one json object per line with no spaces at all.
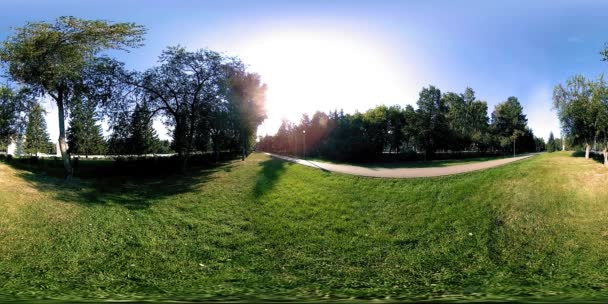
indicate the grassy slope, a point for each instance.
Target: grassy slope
{"x":268,"y":228}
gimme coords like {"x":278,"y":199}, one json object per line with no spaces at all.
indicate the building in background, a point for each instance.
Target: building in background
{"x":16,"y":148}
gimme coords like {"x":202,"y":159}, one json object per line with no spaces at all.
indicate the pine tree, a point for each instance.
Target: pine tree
{"x":551,"y":144}
{"x":118,"y":143}
{"x":143,"y":136}
{"x":36,"y":135}
{"x":84,"y":135}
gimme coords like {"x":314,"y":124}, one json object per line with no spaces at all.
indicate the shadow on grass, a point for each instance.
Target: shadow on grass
{"x":127,"y":191}
{"x":267,"y":178}
{"x":598,"y":157}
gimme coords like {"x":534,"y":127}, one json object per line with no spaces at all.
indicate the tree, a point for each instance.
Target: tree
{"x":509,"y":122}
{"x":576,"y":111}
{"x":84,"y":134}
{"x":540,"y":144}
{"x":395,"y":119}
{"x":410,"y":127}
{"x":50,"y":58}
{"x":13,"y":105}
{"x":143,"y":138}
{"x":247,"y":97}
{"x":36,"y":135}
{"x":375,"y":125}
{"x":599,"y":101}
{"x":551,"y":145}
{"x":432,"y":123}
{"x":118,"y":143}
{"x":186,"y":87}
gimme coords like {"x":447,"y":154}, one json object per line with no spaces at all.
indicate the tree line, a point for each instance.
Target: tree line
{"x":442,"y":122}
{"x":22,"y":120}
{"x":207,"y":100}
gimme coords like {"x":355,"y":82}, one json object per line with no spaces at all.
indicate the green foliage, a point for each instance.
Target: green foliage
{"x":509,"y":123}
{"x":218,"y":100}
{"x":576,"y":109}
{"x":84,"y":135}
{"x":432,"y":124}
{"x":143,"y":138}
{"x":551,"y":144}
{"x":72,"y":42}
{"x":36,"y":134}
{"x":53,"y":59}
{"x":447,"y":123}
{"x":13,"y":106}
{"x":118,"y":143}
{"x":247,"y":97}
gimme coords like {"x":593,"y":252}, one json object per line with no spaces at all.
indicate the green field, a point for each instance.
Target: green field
{"x":263,"y":229}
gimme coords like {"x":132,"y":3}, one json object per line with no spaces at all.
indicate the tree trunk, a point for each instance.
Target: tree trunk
{"x":605,"y":152}
{"x":184,"y":162}
{"x":63,"y":147}
{"x":587,"y":148}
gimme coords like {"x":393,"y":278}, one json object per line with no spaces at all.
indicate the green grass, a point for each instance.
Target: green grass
{"x":418,"y":164}
{"x":266,"y":229}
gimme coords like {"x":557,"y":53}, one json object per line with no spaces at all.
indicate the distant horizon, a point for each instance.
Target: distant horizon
{"x":317,"y":56}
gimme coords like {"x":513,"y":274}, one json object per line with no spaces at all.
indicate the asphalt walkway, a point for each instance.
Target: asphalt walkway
{"x":402,"y":172}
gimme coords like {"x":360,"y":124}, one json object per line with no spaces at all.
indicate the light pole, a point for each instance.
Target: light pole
{"x":304,"y":143}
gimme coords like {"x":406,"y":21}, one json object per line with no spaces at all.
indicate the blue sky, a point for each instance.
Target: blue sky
{"x":358,"y":54}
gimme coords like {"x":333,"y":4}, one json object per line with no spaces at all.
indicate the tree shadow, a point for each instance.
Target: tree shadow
{"x":267,"y":178}
{"x":598,"y":157}
{"x":127,"y":191}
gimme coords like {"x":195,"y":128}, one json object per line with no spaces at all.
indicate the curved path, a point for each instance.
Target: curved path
{"x":401,"y":172}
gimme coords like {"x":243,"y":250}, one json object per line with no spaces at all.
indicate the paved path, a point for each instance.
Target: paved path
{"x":402,"y":172}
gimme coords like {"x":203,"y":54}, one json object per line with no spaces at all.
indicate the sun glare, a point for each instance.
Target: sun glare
{"x":306,"y":72}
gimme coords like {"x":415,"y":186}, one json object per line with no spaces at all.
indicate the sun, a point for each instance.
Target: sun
{"x":309,"y":71}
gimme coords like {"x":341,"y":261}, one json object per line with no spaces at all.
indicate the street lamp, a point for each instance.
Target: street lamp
{"x":304,"y":144}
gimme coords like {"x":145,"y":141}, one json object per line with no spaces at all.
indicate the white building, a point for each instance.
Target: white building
{"x":15,"y":148}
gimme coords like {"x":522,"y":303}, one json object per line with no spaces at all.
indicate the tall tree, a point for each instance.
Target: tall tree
{"x":143,"y":138}
{"x":551,"y":145}
{"x":185,"y":87}
{"x":84,"y":134}
{"x":13,"y":105}
{"x":432,"y":123}
{"x":118,"y":142}
{"x":50,"y":58}
{"x":509,"y":122}
{"x":576,"y":111}
{"x":410,"y":127}
{"x":36,"y":134}
{"x":599,"y":101}
{"x":375,"y":126}
{"x":247,"y":97}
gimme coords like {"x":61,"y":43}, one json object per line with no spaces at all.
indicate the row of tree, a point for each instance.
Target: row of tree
{"x":446,"y":122}
{"x":206,"y":99}
{"x":22,"y":120}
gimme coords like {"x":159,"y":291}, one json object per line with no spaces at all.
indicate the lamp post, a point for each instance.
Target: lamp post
{"x":304,"y":144}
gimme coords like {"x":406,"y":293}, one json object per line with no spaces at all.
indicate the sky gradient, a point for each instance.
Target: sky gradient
{"x":353,"y":55}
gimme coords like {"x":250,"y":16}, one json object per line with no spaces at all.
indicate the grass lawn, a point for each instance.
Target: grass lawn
{"x":419,"y":164}
{"x":264,"y":229}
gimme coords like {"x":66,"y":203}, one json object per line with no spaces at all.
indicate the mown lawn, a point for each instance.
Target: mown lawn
{"x":266,"y":229}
